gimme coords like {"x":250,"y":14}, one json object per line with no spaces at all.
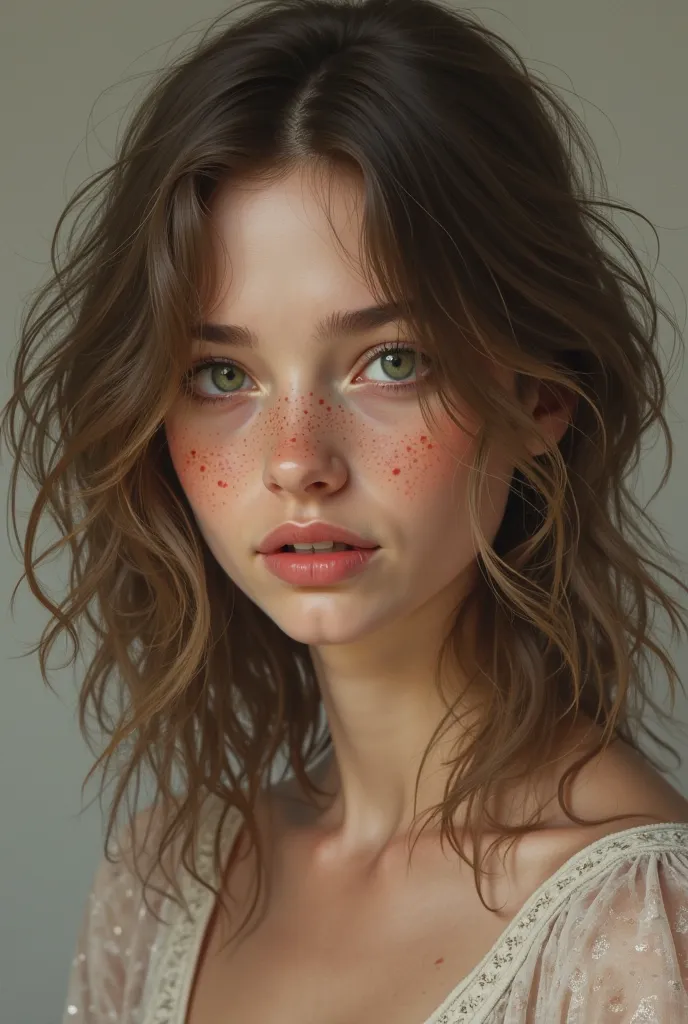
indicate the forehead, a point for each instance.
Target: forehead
{"x":297,"y":206}
{"x":291,"y":248}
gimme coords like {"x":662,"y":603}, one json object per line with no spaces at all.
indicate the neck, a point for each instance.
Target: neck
{"x":384,"y":700}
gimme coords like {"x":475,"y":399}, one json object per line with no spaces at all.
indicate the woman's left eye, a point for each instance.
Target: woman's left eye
{"x":397,"y":364}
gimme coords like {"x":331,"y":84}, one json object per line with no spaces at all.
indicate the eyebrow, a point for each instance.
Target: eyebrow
{"x":341,"y":322}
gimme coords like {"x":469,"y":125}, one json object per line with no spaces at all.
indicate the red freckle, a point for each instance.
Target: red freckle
{"x":408,"y":448}
{"x":423,"y":437}
{"x":292,"y":438}
{"x":310,"y":393}
{"x":429,"y":446}
{"x":202,"y":469}
{"x":396,"y":472}
{"x":305,"y":412}
{"x":286,"y":399}
{"x":221,"y":483}
{"x":193,"y":451}
{"x":321,"y":401}
{"x":329,"y":408}
{"x":440,"y":961}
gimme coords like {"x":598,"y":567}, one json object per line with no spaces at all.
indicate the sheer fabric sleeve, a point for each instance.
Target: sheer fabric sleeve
{"x":116,"y":946}
{"x":618,"y":952}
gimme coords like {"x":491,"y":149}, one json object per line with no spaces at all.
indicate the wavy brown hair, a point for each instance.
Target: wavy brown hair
{"x":485,"y":202}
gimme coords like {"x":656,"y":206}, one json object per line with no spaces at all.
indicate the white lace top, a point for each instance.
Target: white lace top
{"x":604,"y":939}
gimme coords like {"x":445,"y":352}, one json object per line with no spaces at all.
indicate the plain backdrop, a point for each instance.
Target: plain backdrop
{"x":68,"y":74}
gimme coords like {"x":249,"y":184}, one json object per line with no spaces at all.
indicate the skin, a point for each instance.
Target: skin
{"x":312,"y":435}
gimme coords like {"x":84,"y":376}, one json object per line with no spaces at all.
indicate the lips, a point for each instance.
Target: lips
{"x":293,"y":533}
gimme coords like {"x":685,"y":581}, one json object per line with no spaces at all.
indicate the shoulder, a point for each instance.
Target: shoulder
{"x":616,"y":898}
{"x":141,"y":866}
{"x":618,"y":942}
{"x":617,"y":946}
{"x":126,"y":917}
{"x":620,"y":780}
{"x":120,"y":897}
{"x":119,"y":933}
{"x":617,"y":783}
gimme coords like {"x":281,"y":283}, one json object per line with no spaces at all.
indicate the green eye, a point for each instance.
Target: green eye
{"x":221,"y":376}
{"x":396,"y":364}
{"x":226,"y":377}
{"x":399,"y":364}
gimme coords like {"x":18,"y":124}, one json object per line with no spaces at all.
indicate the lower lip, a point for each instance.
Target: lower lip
{"x":319,"y":569}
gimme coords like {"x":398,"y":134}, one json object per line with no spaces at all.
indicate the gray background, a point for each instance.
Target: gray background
{"x":67,"y":72}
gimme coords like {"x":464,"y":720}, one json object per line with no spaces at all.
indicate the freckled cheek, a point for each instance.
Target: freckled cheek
{"x":416,"y":463}
{"x":210,"y":471}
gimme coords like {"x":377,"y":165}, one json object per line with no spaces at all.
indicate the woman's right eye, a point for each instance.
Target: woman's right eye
{"x":221,"y":375}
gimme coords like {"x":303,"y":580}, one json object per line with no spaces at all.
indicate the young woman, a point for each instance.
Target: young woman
{"x":343,"y":382}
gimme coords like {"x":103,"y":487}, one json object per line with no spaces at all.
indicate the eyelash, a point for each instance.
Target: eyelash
{"x":380,"y":350}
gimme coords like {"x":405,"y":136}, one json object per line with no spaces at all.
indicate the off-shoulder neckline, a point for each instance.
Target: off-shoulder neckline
{"x":584,"y":866}
{"x":475,"y":994}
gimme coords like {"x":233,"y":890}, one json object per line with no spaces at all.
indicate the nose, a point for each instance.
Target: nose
{"x":303,"y":470}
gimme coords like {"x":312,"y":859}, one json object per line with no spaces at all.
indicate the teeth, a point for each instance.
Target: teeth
{"x":322,"y":545}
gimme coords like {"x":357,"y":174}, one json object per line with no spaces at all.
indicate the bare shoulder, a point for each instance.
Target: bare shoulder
{"x":620,"y":780}
{"x":616,"y":781}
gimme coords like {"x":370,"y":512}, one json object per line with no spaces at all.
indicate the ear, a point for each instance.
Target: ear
{"x":552,"y":407}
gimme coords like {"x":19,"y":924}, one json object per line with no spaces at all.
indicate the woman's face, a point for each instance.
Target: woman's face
{"x":300,"y":427}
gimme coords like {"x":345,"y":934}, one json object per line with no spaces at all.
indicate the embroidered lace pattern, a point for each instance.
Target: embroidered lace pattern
{"x":604,"y":939}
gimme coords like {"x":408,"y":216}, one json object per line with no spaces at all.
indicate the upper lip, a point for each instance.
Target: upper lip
{"x":295,"y":533}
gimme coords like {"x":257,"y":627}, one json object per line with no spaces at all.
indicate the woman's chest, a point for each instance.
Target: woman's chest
{"x":348,"y":956}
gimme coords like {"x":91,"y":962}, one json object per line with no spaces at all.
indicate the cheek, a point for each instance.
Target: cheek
{"x":210,"y":470}
{"x":417,"y":463}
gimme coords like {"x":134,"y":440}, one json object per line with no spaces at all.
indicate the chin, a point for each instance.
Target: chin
{"x":323,"y":623}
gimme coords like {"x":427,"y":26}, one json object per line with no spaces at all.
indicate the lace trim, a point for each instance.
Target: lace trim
{"x":171,"y":986}
{"x":478,"y":991}
{"x":484,"y":986}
